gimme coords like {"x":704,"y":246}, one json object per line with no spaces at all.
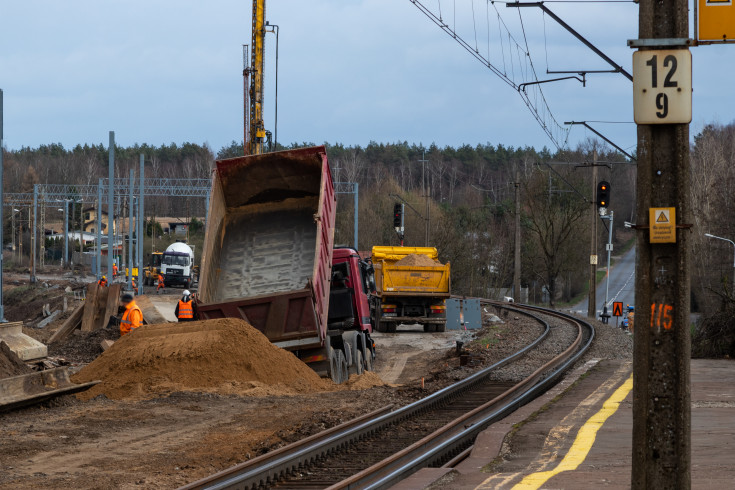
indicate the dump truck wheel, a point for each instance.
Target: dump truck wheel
{"x":430,"y":327}
{"x":338,"y":367}
{"x":368,"y":360}
{"x":391,"y":327}
{"x":359,"y":363}
{"x":441,"y":327}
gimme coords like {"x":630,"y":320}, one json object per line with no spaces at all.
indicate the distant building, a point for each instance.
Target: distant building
{"x":90,"y":221}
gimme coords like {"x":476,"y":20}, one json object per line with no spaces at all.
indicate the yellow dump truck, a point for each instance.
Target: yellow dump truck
{"x":412,"y":287}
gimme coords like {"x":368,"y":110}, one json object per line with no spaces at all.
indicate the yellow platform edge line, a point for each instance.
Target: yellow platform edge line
{"x":582,"y":443}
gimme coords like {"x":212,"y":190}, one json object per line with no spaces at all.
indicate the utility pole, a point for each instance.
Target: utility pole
{"x":99,"y":229}
{"x":517,"y":245}
{"x":2,"y":306}
{"x":592,"y":300}
{"x":662,"y":109}
{"x":65,"y":261}
{"x":34,"y":238}
{"x":130,"y":230}
{"x":111,"y":206}
{"x":141,"y":225}
{"x":424,"y":190}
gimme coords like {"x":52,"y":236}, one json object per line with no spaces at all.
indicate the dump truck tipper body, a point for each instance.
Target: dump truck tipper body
{"x":267,"y":255}
{"x":408,"y":293}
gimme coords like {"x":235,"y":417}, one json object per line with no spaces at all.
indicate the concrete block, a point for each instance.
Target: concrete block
{"x":25,"y":347}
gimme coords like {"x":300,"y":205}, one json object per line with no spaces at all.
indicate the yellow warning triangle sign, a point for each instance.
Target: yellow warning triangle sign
{"x":662,"y":218}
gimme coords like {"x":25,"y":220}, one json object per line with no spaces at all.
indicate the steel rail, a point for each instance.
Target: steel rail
{"x":411,"y":458}
{"x":456,"y":446}
{"x":267,"y":469}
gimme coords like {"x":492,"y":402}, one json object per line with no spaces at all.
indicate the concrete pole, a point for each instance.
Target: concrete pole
{"x":130,"y":230}
{"x":517,"y":244}
{"x":661,"y":398}
{"x":111,"y":205}
{"x":2,"y":305}
{"x":357,"y":213}
{"x":34,"y":237}
{"x":141,"y":224}
{"x":609,"y":252}
{"x":65,"y":259}
{"x":99,"y":230}
{"x":592,"y":300}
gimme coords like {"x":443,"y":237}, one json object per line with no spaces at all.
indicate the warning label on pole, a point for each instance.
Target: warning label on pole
{"x":663,"y":225}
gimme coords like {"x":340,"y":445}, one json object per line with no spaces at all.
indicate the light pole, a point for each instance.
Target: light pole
{"x":733,"y":262}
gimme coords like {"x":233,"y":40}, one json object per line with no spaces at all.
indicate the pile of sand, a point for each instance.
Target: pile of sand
{"x":418,"y":260}
{"x":225,"y":356}
{"x":10,"y":364}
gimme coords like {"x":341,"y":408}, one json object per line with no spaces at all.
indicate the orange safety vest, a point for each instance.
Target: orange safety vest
{"x":102,"y":282}
{"x":131,"y":319}
{"x":114,"y":269}
{"x":186,"y":311}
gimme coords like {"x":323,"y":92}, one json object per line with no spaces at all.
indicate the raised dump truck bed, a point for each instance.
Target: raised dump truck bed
{"x":268,"y":247}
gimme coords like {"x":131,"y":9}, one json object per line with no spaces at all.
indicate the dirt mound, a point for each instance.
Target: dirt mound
{"x":418,"y":260}
{"x":227,"y":356}
{"x":10,"y":364}
{"x":83,"y":347}
{"x":364,"y":381}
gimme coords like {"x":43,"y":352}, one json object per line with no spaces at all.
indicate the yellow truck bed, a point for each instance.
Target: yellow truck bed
{"x":410,"y":280}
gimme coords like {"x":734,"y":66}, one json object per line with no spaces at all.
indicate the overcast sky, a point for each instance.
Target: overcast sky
{"x":351,"y":71}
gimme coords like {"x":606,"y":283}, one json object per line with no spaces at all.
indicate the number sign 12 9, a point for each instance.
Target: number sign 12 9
{"x":669,"y":102}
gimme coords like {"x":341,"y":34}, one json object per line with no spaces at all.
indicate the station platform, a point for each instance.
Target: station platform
{"x":578,"y":435}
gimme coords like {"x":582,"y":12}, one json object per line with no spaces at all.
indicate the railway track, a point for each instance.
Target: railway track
{"x":381,"y":448}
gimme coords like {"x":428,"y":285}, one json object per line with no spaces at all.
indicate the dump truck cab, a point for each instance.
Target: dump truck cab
{"x":352,"y":281}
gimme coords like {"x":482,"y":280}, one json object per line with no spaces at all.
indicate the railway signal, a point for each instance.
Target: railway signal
{"x":398,"y":209}
{"x":603,"y":194}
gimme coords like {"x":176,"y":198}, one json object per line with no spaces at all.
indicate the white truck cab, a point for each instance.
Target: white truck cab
{"x":177,"y":265}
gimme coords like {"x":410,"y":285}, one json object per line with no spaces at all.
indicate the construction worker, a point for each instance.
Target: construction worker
{"x":161,"y":285}
{"x":132,"y":317}
{"x":103,"y":281}
{"x":114,"y":270}
{"x":186,"y":310}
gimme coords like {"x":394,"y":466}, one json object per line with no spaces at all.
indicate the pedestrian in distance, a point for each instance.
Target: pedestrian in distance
{"x":102,"y":282}
{"x":114,"y":270}
{"x":161,"y":284}
{"x":132,"y":316}
{"x":186,"y":310}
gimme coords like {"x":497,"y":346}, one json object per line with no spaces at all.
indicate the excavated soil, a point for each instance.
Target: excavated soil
{"x":227,"y":356}
{"x":418,"y":260}
{"x":10,"y":364}
{"x":83,"y":347}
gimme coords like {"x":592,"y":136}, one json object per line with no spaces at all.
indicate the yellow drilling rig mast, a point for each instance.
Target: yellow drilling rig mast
{"x":253,"y":84}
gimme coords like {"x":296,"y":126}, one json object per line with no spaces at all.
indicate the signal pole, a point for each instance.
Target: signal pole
{"x":592,"y":300}
{"x":661,"y":398}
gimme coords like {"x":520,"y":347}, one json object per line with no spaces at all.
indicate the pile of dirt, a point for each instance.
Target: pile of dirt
{"x":418,"y":260}
{"x":225,"y":356}
{"x":364,"y":381}
{"x":83,"y":347}
{"x":10,"y":364}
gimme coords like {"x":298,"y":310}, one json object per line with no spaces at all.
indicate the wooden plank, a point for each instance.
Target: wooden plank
{"x":71,"y":323}
{"x":101,"y":303}
{"x":151,"y":315}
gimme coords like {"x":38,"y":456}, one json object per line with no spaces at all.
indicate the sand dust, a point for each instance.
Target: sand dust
{"x":418,"y":260}
{"x":10,"y":364}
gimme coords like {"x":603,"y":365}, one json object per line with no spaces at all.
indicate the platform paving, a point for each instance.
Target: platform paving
{"x":579,"y":437}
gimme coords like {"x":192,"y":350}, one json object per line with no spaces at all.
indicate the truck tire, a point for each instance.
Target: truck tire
{"x":430,"y":327}
{"x":382,"y":326}
{"x":359,"y":366}
{"x":441,"y":327}
{"x":390,"y":327}
{"x":338,"y":367}
{"x":368,"y":360}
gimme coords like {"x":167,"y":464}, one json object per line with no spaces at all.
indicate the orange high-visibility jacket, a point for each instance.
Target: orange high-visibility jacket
{"x":186,"y":311}
{"x":102,"y":282}
{"x":131,"y":319}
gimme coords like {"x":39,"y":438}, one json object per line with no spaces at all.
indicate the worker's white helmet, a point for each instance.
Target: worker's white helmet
{"x":186,"y":292}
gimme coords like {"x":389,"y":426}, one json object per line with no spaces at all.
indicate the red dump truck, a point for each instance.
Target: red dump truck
{"x":268,"y":255}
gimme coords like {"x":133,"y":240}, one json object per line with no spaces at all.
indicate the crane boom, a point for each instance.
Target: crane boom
{"x":255,"y":125}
